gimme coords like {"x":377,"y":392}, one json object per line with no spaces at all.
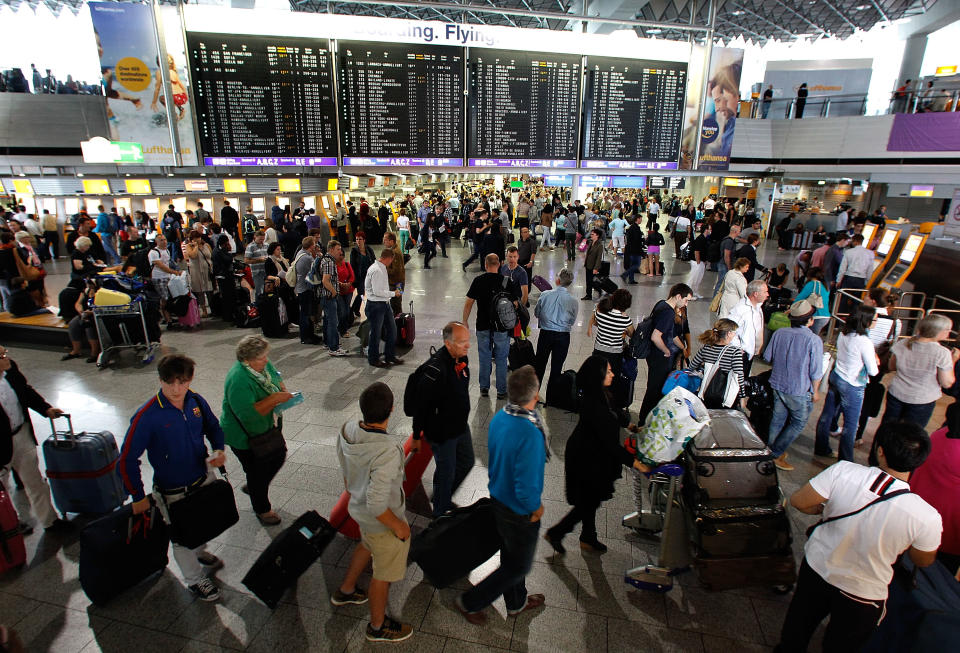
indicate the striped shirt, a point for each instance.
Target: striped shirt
{"x":610,"y":329}
{"x":731,"y":360}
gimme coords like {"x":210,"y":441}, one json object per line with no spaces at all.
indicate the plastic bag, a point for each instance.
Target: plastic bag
{"x":676,"y":418}
{"x":178,"y":285}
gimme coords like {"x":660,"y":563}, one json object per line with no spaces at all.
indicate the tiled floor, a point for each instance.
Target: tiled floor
{"x":588,"y":606}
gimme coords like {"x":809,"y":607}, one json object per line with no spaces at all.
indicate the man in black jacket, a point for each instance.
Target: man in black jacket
{"x":443,"y":407}
{"x":230,"y":220}
{"x":749,"y":252}
{"x":18,"y":444}
{"x":633,"y":250}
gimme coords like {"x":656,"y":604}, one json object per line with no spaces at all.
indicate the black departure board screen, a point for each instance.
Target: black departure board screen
{"x":264,"y":100}
{"x":401,"y":104}
{"x":524,"y":109}
{"x":633,"y":113}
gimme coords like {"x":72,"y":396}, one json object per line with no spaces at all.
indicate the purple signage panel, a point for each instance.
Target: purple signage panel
{"x":925,"y":132}
{"x":629,"y":165}
{"x":400,"y":161}
{"x":269,"y":161}
{"x":524,"y":163}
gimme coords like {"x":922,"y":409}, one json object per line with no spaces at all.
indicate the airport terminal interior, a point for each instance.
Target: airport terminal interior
{"x":151,"y":153}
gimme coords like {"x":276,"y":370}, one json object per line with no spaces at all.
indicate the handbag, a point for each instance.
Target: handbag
{"x":203,"y":514}
{"x":719,"y":388}
{"x":815,"y":299}
{"x":266,"y":445}
{"x":25,"y":270}
{"x":885,"y":350}
{"x":715,"y":302}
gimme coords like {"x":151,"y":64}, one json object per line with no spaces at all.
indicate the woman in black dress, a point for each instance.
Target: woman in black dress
{"x":593,"y":457}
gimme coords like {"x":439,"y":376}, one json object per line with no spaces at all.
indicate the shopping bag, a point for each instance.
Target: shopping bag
{"x":178,"y":285}
{"x":676,"y":418}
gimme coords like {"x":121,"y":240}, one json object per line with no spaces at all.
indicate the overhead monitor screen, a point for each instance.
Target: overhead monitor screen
{"x":524,"y":109}
{"x":263,"y":100}
{"x":633,"y":113}
{"x":401,"y":104}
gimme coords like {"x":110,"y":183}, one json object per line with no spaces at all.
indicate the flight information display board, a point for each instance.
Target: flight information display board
{"x":263,"y":100}
{"x":524,"y":109}
{"x":633,"y":113}
{"x":401,"y":104}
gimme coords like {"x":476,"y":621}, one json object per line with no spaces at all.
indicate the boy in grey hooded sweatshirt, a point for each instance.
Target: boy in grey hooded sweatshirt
{"x":372,"y":464}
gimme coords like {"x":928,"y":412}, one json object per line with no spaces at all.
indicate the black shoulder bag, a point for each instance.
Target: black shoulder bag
{"x":266,"y":445}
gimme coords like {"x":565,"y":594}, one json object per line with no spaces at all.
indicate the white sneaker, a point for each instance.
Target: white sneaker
{"x":339,"y":352}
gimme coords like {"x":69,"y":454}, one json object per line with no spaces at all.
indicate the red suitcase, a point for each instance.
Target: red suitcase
{"x":406,"y":328}
{"x":13,"y":553}
{"x":416,"y":463}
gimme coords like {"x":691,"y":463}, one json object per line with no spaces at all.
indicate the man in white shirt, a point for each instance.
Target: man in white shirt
{"x":848,"y":558}
{"x":842,"y":219}
{"x":855,"y":268}
{"x":708,"y":204}
{"x":748,"y":315}
{"x":377,"y":289}
{"x":653,"y":212}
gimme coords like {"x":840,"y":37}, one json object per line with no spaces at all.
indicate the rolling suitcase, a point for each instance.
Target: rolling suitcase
{"x":81,"y":470}
{"x":406,"y":328}
{"x":604,"y":268}
{"x":521,"y":353}
{"x":414,"y":466}
{"x":542,"y":284}
{"x":13,"y":553}
{"x":289,"y":555}
{"x":562,"y":391}
{"x":606,"y":284}
{"x":456,"y":543}
{"x":120,"y":550}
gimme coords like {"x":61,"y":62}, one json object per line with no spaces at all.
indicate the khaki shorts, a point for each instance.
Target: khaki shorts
{"x":389,"y":555}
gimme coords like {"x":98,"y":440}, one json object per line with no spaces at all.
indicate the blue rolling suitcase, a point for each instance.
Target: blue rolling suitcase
{"x":82,"y":471}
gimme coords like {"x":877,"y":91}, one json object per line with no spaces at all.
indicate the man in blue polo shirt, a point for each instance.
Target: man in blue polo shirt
{"x":171,"y":428}
{"x":518,"y":452}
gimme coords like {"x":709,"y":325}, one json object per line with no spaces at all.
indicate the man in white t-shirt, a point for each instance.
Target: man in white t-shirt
{"x":748,"y":314}
{"x":159,"y":259}
{"x":848,"y":560}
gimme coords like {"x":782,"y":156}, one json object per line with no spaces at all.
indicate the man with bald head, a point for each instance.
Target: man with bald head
{"x":442,"y":407}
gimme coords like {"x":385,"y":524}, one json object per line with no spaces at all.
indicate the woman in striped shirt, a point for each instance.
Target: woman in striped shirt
{"x":717,"y":347}
{"x":612,"y":324}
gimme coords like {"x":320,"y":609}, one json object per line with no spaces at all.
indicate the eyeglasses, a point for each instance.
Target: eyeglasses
{"x":3,"y":355}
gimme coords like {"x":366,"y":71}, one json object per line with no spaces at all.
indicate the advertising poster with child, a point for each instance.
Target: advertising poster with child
{"x":129,"y":64}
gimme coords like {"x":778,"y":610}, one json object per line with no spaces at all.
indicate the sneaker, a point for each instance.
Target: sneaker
{"x":356,"y":597}
{"x":339,"y":352}
{"x":206,"y":590}
{"x":391,"y":631}
{"x":210,"y":561}
{"x":781,"y":463}
{"x":836,"y":434}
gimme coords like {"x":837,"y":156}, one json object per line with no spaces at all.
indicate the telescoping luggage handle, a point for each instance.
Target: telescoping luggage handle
{"x":70,"y":437}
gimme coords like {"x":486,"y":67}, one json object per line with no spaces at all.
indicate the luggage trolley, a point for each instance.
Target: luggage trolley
{"x":135,"y":309}
{"x":664,"y":517}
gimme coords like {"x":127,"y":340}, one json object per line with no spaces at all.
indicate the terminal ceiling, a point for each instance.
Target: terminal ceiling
{"x":755,"y":20}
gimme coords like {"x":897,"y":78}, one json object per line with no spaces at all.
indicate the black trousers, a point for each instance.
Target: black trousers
{"x":259,"y":471}
{"x":658,"y":369}
{"x":585,"y":514}
{"x":555,"y":344}
{"x":590,"y":276}
{"x":852,"y":619}
{"x":51,"y":240}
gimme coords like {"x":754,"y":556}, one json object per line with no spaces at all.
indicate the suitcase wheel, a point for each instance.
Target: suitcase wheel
{"x":706,"y":470}
{"x":766,"y":468}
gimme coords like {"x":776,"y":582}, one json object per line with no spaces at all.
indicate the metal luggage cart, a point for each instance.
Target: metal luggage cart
{"x":136,"y":308}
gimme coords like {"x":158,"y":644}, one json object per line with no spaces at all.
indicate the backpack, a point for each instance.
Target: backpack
{"x":640,"y":346}
{"x":503,"y":314}
{"x":410,"y":400}
{"x":291,"y":275}
{"x":249,"y":226}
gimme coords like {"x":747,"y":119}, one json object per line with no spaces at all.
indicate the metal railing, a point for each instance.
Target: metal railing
{"x":816,"y":106}
{"x":908,"y":314}
{"x":953,"y":314}
{"x":944,"y":98}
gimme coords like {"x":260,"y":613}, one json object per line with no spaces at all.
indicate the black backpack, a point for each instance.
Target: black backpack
{"x":640,"y":345}
{"x":432,"y":367}
{"x":503,"y":314}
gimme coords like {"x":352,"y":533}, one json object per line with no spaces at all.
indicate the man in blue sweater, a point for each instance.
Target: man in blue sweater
{"x":171,"y":428}
{"x":518,"y":451}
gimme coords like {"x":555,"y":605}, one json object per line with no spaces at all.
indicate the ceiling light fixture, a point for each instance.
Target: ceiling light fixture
{"x":738,"y":12}
{"x":655,"y":30}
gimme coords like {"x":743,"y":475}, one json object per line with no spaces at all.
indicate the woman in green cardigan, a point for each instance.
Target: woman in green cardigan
{"x":252,"y":390}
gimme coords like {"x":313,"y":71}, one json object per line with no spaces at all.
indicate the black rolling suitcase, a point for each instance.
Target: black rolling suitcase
{"x":521,"y":353}
{"x":120,"y":550}
{"x":606,"y":284}
{"x":289,"y":555}
{"x":738,"y":523}
{"x":456,"y":543}
{"x":562,"y":391}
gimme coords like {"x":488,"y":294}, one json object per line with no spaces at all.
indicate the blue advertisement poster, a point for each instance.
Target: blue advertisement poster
{"x":129,"y":65}
{"x":720,"y":114}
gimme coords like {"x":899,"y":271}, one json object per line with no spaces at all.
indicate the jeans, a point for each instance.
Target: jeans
{"x":633,"y":263}
{"x":259,"y":473}
{"x":496,"y":344}
{"x":345,"y":315}
{"x":585,"y":514}
{"x":381,"y":320}
{"x":306,"y":315}
{"x":852,"y":619}
{"x":5,"y":293}
{"x":430,"y":252}
{"x":258,"y":278}
{"x":110,"y":248}
{"x":819,"y":323}
{"x":555,"y":344}
{"x":570,"y":240}
{"x":331,"y":335}
{"x":475,"y":255}
{"x":658,"y":369}
{"x":519,"y":536}
{"x":764,"y":110}
{"x":454,"y":460}
{"x":897,"y":410}
{"x":847,"y":398}
{"x":790,"y":413}
{"x":721,"y":273}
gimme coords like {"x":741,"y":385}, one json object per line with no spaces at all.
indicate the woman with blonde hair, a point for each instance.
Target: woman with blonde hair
{"x":734,"y":286}
{"x":718,"y":348}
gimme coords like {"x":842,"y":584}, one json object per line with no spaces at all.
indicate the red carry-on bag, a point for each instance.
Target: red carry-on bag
{"x":13,"y":553}
{"x":414,"y":466}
